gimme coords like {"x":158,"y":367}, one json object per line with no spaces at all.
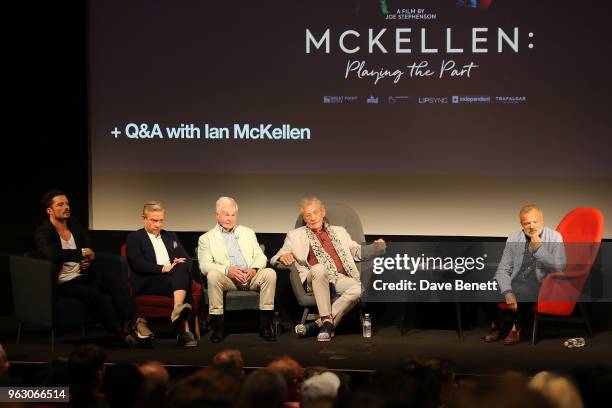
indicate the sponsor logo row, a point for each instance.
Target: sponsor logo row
{"x":431,"y":100}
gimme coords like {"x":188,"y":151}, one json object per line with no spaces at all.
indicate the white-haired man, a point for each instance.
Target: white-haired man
{"x":324,"y":255}
{"x":231,"y":259}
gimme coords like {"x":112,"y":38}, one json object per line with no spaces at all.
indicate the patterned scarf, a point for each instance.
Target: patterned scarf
{"x":325,"y":259}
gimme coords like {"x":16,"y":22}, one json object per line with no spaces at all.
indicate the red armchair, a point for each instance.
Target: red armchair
{"x":154,"y":306}
{"x":582,"y":230}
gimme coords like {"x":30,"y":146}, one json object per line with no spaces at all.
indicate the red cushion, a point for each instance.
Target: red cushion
{"x":152,"y":306}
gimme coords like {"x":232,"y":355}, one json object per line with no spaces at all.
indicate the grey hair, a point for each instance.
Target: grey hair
{"x":557,"y":389}
{"x":306,"y":201}
{"x":529,"y":207}
{"x":152,"y":206}
{"x":224,"y":201}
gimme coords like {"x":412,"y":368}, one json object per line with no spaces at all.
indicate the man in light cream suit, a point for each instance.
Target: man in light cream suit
{"x":231,"y":259}
{"x":324,"y":256}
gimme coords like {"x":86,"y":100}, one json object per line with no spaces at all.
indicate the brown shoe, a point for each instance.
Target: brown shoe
{"x":492,"y":336}
{"x":514,"y":337}
{"x":141,"y":330}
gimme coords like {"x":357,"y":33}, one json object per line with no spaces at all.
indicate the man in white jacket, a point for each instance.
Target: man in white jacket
{"x":324,"y":256}
{"x":231,"y":259}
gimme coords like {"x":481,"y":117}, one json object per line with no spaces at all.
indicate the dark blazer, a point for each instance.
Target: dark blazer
{"x":141,"y":255}
{"x":49,"y":246}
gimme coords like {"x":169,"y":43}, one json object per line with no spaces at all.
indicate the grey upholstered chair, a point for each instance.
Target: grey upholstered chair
{"x":337,"y":214}
{"x":236,"y":299}
{"x":36,"y":302}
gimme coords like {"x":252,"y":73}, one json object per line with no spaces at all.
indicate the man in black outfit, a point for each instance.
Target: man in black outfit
{"x":63,"y":240}
{"x":161,"y":266}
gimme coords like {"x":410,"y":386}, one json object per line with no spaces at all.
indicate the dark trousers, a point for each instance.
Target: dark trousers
{"x":505,"y":318}
{"x":523,"y":315}
{"x":105,"y":295}
{"x":179,"y":278}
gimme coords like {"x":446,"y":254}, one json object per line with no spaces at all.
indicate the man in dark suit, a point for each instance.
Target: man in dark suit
{"x":161,"y":266}
{"x":63,"y":240}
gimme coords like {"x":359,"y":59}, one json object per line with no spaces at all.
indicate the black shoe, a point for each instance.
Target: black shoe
{"x":218,"y":329}
{"x":267,"y":334}
{"x":126,"y":338}
{"x":265,"y":325}
{"x":326,"y":332}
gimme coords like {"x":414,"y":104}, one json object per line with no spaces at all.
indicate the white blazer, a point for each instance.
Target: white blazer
{"x":212,"y":253}
{"x":297,"y":243}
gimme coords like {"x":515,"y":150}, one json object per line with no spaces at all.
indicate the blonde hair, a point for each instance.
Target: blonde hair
{"x":152,"y":206}
{"x":557,"y":389}
{"x":306,"y":201}
{"x":224,"y":201}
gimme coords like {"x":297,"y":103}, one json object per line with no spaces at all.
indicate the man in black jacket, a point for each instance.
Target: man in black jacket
{"x":63,"y":240}
{"x":161,"y":266}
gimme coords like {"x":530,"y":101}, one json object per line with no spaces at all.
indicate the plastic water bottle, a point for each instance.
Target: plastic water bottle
{"x":276,"y":324}
{"x":367,"y":326}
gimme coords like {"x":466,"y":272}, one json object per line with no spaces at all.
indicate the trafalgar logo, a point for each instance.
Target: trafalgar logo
{"x":372,"y":100}
{"x":511,"y":99}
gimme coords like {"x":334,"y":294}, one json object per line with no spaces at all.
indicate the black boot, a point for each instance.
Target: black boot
{"x":125,"y":337}
{"x":265,"y":325}
{"x":218,"y":329}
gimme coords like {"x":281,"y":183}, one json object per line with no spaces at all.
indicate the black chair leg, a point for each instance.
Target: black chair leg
{"x":534,"y":333}
{"x":585,"y":318}
{"x":402,"y":319}
{"x":304,"y":315}
{"x":459,"y":323}
{"x":18,"y":340}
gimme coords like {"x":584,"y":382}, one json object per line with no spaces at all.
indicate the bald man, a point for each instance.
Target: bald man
{"x":155,"y":373}
{"x":230,"y":361}
{"x":529,"y":255}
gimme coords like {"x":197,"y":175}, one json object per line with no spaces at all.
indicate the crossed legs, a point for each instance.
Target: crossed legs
{"x":348,"y":288}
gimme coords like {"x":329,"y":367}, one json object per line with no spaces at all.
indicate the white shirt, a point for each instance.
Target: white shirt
{"x":161,"y":253}
{"x":70,"y":270}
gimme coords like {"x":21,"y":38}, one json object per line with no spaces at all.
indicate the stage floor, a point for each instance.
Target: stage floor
{"x":347,"y":351}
